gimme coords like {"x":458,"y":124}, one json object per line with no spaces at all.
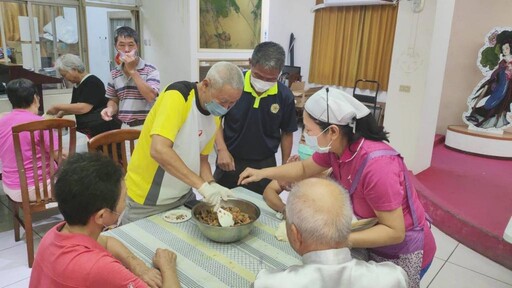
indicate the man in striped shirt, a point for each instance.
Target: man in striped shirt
{"x":134,"y":83}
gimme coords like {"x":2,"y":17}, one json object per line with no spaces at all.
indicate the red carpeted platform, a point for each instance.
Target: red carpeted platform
{"x":469,"y":197}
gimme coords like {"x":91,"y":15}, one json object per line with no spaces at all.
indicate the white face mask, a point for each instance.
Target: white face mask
{"x":119,"y":58}
{"x":260,"y":85}
{"x":312,"y":141}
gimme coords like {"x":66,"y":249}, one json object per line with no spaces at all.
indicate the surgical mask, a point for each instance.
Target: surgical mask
{"x":305,"y":151}
{"x":215,"y":108}
{"x":118,"y":59}
{"x":117,"y":224}
{"x":260,"y":85}
{"x":312,"y":141}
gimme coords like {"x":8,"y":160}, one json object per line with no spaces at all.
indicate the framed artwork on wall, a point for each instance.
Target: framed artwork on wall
{"x":230,"y":24}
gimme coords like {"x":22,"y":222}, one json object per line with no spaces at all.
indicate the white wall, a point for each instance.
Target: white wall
{"x":5,"y":105}
{"x":172,"y":28}
{"x":286,"y":17}
{"x":411,"y":117}
{"x":97,"y":41}
{"x":49,"y":100}
{"x":166,"y":38}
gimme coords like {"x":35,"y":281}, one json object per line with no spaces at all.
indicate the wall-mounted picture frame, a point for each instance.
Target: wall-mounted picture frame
{"x":230,"y":24}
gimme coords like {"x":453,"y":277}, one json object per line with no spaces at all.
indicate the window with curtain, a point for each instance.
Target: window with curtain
{"x":353,"y":42}
{"x":11,"y":28}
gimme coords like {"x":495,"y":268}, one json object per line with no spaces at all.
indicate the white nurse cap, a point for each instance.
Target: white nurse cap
{"x":343,"y":108}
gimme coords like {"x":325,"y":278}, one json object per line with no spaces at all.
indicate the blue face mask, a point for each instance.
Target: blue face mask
{"x":305,"y":151}
{"x":215,"y":108}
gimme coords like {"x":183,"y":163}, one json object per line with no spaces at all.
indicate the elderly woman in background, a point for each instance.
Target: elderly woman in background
{"x":87,"y":100}
{"x":347,"y":139}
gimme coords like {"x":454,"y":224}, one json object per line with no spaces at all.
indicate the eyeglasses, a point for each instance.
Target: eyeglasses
{"x":118,"y":214}
{"x":110,"y":227}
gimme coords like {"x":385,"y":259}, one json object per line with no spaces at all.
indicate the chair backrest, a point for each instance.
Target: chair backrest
{"x":113,"y":144}
{"x":34,"y":146}
{"x":297,"y":89}
{"x":298,"y":86}
{"x":369,"y":100}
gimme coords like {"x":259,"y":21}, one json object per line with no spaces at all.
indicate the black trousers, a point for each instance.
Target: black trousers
{"x":229,"y":179}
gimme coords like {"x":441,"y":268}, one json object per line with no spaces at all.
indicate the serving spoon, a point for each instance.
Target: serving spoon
{"x":225,"y":218}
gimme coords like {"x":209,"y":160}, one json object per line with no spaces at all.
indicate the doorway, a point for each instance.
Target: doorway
{"x":101,"y":24}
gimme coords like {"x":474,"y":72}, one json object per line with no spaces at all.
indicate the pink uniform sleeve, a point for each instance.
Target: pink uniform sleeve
{"x":322,"y":159}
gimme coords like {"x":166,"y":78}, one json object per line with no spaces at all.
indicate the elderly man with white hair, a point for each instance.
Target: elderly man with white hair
{"x":171,"y":156}
{"x":318,"y":224}
{"x":87,"y":98}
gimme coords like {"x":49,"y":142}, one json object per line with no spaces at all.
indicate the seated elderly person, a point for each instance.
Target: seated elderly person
{"x":25,"y":104}
{"x":74,"y":254}
{"x":318,"y":224}
{"x":87,"y":99}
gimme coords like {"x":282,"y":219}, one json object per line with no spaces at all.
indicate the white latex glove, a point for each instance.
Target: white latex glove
{"x":211,"y":195}
{"x":225,"y":193}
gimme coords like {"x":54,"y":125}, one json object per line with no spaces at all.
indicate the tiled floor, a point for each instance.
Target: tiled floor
{"x":455,"y":265}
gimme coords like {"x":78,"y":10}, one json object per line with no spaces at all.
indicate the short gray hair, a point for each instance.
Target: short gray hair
{"x":268,"y":54}
{"x":225,"y":73}
{"x":68,"y":62}
{"x":320,"y":223}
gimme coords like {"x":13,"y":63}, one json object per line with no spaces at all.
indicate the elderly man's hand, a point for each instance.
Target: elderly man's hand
{"x":225,"y":160}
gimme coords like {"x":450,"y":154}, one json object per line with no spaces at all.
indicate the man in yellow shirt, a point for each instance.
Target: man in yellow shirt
{"x":171,"y":155}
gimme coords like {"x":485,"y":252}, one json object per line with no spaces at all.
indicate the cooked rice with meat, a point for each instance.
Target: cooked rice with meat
{"x":210,"y":217}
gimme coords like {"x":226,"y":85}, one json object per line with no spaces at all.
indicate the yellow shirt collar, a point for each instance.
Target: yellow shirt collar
{"x":248,"y":88}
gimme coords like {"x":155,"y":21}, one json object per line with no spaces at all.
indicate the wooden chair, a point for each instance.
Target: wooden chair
{"x":297,"y":89}
{"x":369,"y":100}
{"x":113,"y":144}
{"x":38,"y":134}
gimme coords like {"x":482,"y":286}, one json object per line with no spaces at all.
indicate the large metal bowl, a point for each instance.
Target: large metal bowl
{"x":227,"y":234}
